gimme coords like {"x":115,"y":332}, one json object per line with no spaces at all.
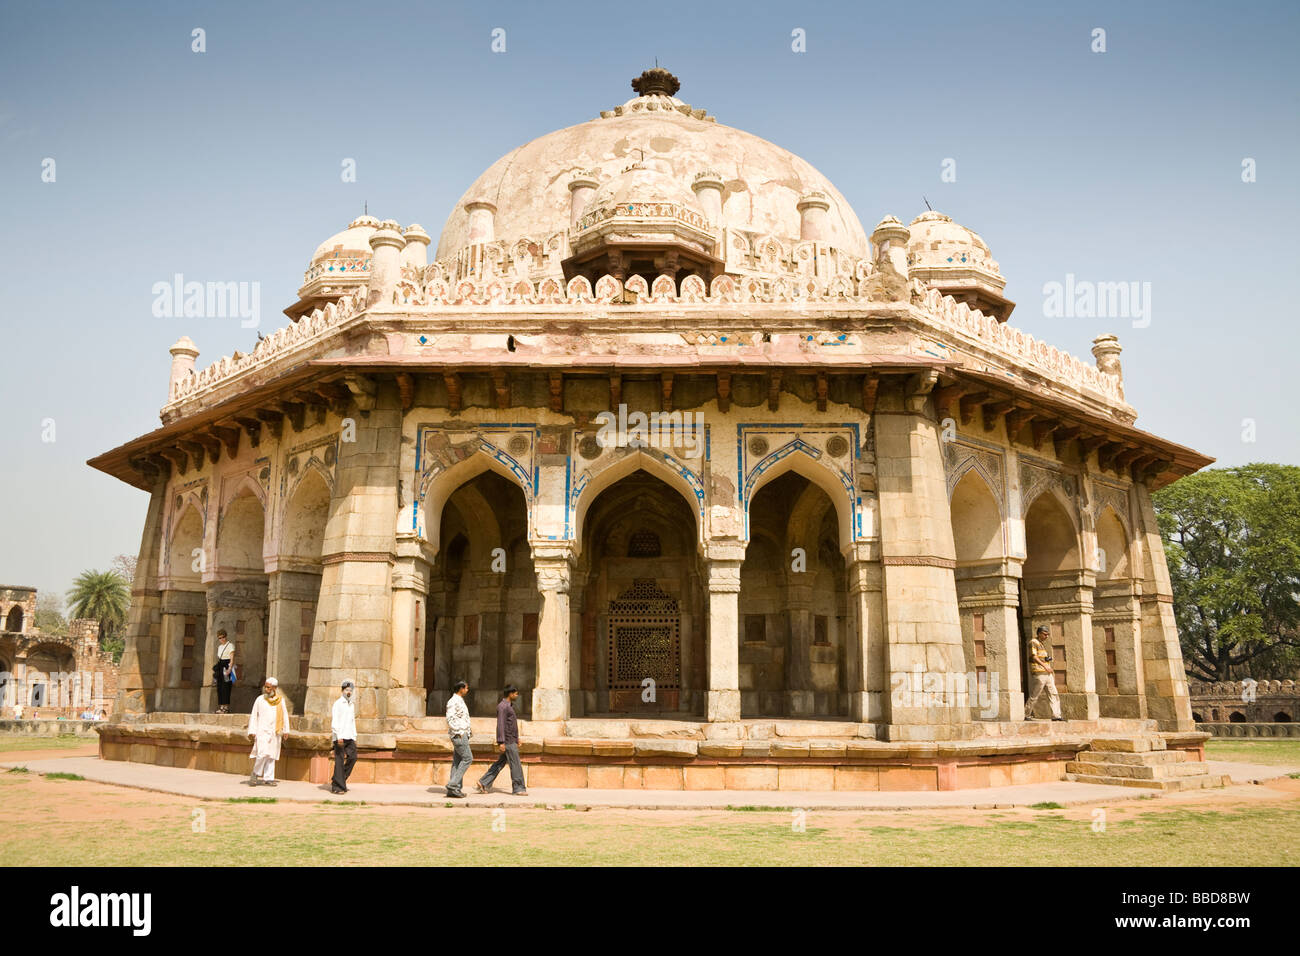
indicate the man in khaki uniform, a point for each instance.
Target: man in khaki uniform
{"x":1040,"y":676}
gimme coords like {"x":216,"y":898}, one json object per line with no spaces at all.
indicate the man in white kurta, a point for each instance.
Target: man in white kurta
{"x":267,"y":725}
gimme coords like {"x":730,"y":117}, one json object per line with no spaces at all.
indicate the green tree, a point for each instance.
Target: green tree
{"x":49,"y":615}
{"x":103,"y":596}
{"x":1232,"y":537}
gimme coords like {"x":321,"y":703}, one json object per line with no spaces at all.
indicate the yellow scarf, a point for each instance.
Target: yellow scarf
{"x":275,"y":700}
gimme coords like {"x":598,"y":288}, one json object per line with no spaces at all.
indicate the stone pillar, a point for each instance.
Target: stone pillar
{"x":139,"y":667}
{"x":708,"y":187}
{"x":184,"y":352}
{"x":353,"y":632}
{"x":416,"y":251}
{"x":554,"y":568}
{"x":799,"y":700}
{"x":482,"y":221}
{"x":442,"y":595}
{"x":240,"y":607}
{"x":1162,"y":657}
{"x":813,"y":207}
{"x":176,"y":691}
{"x":866,"y":645}
{"x":1062,"y":601}
{"x":489,"y":592}
{"x":289,"y":595}
{"x":988,"y":597}
{"x":580,"y":189}
{"x":385,"y":270}
{"x":1117,"y":610}
{"x":410,"y":611}
{"x":925,"y":652}
{"x":723,"y":642}
{"x":889,"y":239}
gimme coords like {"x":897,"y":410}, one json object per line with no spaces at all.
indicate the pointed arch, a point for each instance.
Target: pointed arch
{"x":304,"y":512}
{"x":1114,"y":541}
{"x":977,"y":525}
{"x":439,"y":484}
{"x":653,"y":462}
{"x":800,"y":457}
{"x":1051,"y":536}
{"x":187,"y":532}
{"x":241,"y":530}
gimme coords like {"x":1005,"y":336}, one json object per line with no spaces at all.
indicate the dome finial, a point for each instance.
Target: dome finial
{"x":657,"y":81}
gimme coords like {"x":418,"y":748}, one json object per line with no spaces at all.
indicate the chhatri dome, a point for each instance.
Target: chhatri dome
{"x":956,"y":261}
{"x":760,"y":185}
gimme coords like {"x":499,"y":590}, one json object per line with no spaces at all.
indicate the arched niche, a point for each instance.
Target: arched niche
{"x":806,"y":466}
{"x":1113,"y":543}
{"x":649,"y":461}
{"x":977,"y":526}
{"x":794,"y":622}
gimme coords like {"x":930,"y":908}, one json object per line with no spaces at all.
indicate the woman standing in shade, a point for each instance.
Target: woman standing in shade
{"x":223,"y":671}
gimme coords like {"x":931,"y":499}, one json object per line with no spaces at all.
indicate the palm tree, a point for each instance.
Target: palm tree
{"x":103,"y":596}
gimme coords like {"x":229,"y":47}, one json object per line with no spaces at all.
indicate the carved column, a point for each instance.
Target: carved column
{"x":799,"y":699}
{"x":1162,"y":657}
{"x":917,"y":553}
{"x":180,"y":663}
{"x":407,"y":694}
{"x":291,"y":601}
{"x":353,"y":632}
{"x":723,"y":649}
{"x":988,"y":596}
{"x":865,"y":644}
{"x":240,"y":607}
{"x":554,"y":568}
{"x":137,"y":676}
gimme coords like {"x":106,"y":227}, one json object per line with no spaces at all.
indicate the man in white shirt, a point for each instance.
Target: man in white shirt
{"x":343,"y":728}
{"x":267,"y":725}
{"x":458,"y":726}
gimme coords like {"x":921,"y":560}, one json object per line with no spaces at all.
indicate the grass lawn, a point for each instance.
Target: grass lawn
{"x":1273,"y":751}
{"x":18,"y":743}
{"x":69,"y":822}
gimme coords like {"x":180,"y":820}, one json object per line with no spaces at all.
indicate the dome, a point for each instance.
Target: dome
{"x":939,"y":243}
{"x":649,"y":182}
{"x":956,"y":261}
{"x":762,"y":183}
{"x":351,"y":249}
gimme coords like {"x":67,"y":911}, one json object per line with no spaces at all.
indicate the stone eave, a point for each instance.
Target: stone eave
{"x":1129,"y":450}
{"x":136,"y":461}
{"x":725,"y":359}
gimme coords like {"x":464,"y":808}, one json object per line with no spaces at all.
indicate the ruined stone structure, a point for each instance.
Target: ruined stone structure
{"x":55,"y":676}
{"x":1247,"y":703}
{"x":663,"y":436}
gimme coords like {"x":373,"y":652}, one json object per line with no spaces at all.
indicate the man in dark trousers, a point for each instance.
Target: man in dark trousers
{"x":507,"y":745}
{"x":343,"y":728}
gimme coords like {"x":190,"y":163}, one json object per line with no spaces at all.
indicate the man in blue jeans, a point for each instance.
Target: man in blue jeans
{"x":507,"y":745}
{"x":458,"y":726}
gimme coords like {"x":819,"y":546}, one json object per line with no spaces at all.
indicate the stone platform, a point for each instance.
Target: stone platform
{"x":761,"y":754}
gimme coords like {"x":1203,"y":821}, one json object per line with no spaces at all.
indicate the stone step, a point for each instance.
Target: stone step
{"x":1136,"y":771}
{"x":1204,"y":782}
{"x":1129,"y":744}
{"x":1148,"y":758}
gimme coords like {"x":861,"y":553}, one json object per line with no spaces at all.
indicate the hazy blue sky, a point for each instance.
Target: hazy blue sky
{"x":225,"y":166}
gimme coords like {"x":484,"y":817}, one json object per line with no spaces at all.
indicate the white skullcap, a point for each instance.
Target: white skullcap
{"x":273,"y":682}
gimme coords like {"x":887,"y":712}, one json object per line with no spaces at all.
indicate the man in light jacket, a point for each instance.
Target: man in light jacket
{"x":267,"y":725}
{"x":458,"y":726}
{"x":343,"y":728}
